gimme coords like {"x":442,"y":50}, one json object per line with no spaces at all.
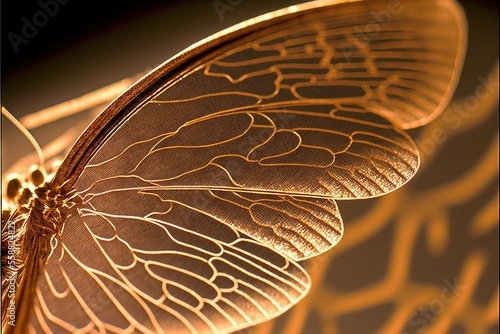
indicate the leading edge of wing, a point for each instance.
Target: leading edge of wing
{"x":170,"y":70}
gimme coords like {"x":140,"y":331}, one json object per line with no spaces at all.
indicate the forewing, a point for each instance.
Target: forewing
{"x":327,"y":153}
{"x":311,"y":106}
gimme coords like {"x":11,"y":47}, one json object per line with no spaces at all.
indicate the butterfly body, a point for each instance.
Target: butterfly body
{"x":185,"y":210}
{"x":32,"y":229}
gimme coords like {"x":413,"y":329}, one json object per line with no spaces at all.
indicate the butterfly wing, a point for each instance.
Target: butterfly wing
{"x":154,"y":276}
{"x":202,"y":184}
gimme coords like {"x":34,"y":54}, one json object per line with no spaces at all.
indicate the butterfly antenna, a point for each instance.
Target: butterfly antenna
{"x":28,"y":135}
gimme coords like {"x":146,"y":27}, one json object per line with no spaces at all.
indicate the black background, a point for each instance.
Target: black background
{"x":88,"y":44}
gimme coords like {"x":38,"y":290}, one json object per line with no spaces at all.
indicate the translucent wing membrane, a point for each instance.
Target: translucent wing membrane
{"x":183,"y":273}
{"x":324,"y":151}
{"x":200,"y":187}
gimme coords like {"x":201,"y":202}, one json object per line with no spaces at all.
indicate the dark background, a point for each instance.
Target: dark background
{"x":88,"y":44}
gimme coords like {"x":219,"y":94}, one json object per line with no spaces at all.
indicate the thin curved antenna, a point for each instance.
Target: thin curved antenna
{"x":27,"y":134}
{"x":74,"y":106}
